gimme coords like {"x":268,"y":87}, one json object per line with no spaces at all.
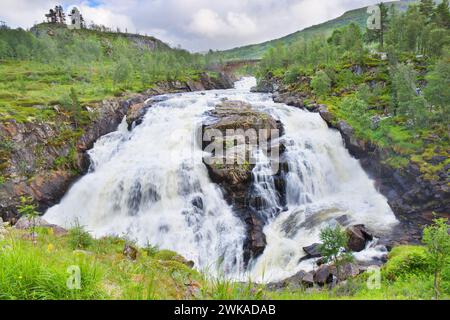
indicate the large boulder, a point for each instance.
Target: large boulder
{"x":358,"y":237}
{"x":324,"y":275}
{"x":313,"y":251}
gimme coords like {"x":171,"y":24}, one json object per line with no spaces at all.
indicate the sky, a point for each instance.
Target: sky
{"x":196,"y":25}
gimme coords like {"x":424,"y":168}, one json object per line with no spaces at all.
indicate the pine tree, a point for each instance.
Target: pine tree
{"x":426,"y":8}
{"x":441,"y":15}
{"x":379,"y":34}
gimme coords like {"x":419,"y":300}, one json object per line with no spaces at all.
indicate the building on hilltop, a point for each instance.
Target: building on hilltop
{"x":76,"y":19}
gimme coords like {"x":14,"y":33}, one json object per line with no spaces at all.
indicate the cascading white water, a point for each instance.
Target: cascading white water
{"x":151,"y":185}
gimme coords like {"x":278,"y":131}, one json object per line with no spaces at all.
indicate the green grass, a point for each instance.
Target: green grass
{"x":41,"y":271}
{"x":27,"y":84}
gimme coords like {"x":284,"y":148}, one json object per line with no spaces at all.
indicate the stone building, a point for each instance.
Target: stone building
{"x":76,"y":19}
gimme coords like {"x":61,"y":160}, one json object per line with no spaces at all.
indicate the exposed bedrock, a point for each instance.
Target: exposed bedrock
{"x":233,"y":172}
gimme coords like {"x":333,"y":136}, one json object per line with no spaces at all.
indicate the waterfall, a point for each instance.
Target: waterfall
{"x":151,"y":185}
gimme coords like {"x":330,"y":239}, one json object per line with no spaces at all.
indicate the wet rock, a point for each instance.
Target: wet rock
{"x":313,"y":251}
{"x":324,"y":275}
{"x":343,"y":220}
{"x":229,"y":122}
{"x":325,"y":114}
{"x":289,"y":99}
{"x":136,"y":113}
{"x":358,"y":237}
{"x":266,"y":86}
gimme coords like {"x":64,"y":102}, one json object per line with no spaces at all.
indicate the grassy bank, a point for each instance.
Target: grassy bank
{"x":40,"y":269}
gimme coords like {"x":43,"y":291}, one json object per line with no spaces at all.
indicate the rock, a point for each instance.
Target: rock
{"x":313,"y":251}
{"x":358,"y":237}
{"x":232,"y":170}
{"x":130,"y":252}
{"x":26,"y":223}
{"x":265,"y":86}
{"x":308,"y":279}
{"x":301,"y":279}
{"x":289,"y":99}
{"x":136,"y":113}
{"x":324,"y":275}
{"x":343,"y":220}
{"x":326,"y":115}
{"x":349,"y":270}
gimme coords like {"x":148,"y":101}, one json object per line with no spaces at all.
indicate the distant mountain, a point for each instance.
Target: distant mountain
{"x":358,"y":16}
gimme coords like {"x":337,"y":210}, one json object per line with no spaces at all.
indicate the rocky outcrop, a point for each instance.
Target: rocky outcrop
{"x":234,"y":173}
{"x":42,"y":159}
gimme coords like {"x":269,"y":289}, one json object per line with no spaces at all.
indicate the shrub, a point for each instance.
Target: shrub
{"x":166,"y":255}
{"x":321,"y":83}
{"x":405,"y":261}
{"x":79,"y":238}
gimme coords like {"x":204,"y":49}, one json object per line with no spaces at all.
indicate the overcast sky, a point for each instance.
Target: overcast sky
{"x":197,"y":25}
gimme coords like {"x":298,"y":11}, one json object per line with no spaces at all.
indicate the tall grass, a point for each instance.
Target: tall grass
{"x":28,"y":272}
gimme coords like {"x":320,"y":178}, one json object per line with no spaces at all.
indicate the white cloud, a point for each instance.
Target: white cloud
{"x":208,"y":23}
{"x":195,"y":24}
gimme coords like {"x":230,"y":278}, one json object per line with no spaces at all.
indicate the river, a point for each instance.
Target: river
{"x":147,"y":184}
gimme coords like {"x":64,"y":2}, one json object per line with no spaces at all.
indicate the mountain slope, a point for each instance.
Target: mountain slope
{"x":358,"y":16}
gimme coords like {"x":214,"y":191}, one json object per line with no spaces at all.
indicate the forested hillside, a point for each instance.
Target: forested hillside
{"x":357,"y":16}
{"x":42,"y":66}
{"x":391,"y":86}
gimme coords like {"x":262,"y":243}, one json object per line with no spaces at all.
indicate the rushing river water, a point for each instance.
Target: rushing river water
{"x":151,"y":185}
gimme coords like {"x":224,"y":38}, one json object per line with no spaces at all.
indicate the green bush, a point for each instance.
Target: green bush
{"x":321,"y":83}
{"x":405,"y":261}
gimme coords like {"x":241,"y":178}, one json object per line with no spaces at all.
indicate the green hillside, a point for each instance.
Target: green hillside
{"x":40,"y":67}
{"x":358,"y":16}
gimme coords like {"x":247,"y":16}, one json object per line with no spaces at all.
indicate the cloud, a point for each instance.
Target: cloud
{"x":208,"y":23}
{"x":197,"y":25}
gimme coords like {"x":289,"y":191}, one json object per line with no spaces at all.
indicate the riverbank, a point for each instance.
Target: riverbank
{"x":38,"y":269}
{"x":412,"y":192}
